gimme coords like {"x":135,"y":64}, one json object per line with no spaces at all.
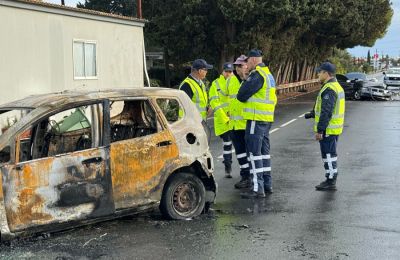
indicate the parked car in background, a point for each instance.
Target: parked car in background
{"x":357,"y":86}
{"x":392,"y":78}
{"x":72,"y":158}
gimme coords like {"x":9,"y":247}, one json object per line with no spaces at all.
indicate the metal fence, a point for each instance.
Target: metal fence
{"x":297,"y":86}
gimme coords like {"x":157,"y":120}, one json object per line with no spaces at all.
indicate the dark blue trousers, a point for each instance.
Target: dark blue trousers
{"x":238,"y":140}
{"x":329,"y":156}
{"x":258,"y":149}
{"x":227,"y":153}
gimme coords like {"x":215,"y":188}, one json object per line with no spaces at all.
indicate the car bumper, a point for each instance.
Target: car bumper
{"x":392,"y":82}
{"x":375,"y":92}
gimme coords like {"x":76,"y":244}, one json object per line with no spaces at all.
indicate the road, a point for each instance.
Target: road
{"x":359,"y":221}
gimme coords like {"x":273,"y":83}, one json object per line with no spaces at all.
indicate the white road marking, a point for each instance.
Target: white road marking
{"x":291,"y":121}
{"x":274,"y":130}
{"x":300,"y":116}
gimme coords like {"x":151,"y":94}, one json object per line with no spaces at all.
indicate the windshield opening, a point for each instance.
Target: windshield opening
{"x":356,"y":76}
{"x":9,"y":117}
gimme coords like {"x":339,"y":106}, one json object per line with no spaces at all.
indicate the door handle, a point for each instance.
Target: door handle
{"x":92,"y":160}
{"x":164,"y":143}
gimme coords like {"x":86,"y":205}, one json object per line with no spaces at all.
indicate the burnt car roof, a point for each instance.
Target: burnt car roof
{"x":68,"y":96}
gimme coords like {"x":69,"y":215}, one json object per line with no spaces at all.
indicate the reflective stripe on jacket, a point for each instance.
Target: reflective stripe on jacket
{"x":335,"y":126}
{"x":199,"y":96}
{"x":236,"y":122}
{"x":261,"y":106}
{"x":219,"y":102}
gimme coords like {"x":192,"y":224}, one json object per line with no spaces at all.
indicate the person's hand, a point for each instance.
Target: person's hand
{"x":319,"y":136}
{"x":209,"y":111}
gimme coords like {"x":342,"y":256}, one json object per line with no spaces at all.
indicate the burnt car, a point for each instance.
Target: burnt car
{"x":77,"y":157}
{"x":357,"y":86}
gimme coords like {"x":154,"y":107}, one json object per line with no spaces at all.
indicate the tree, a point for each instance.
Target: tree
{"x":369,"y":57}
{"x":295,"y":35}
{"x":119,"y":7}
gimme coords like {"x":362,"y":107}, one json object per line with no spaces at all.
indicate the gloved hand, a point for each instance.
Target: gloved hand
{"x":309,"y":115}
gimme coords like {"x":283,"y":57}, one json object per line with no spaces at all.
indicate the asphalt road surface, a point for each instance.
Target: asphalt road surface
{"x":359,"y":221}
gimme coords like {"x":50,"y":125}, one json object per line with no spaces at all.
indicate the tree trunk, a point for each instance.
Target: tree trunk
{"x":284,"y":72}
{"x":167,"y":70}
{"x":278,"y":74}
{"x":303,"y":70}
{"x":227,"y":52}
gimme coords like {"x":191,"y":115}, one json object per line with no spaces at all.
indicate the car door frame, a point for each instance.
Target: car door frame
{"x":126,"y":194}
{"x":107,"y":205}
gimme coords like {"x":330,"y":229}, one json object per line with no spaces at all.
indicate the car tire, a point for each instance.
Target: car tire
{"x":357,"y":94}
{"x":183,"y":197}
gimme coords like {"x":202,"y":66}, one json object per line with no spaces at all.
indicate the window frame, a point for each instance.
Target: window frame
{"x":84,"y":62}
{"x":162,"y":112}
{"x":100,"y":129}
{"x":160,"y":121}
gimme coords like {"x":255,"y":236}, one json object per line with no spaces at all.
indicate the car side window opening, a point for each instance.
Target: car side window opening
{"x":131,"y":119}
{"x":171,"y":109}
{"x":65,"y":132}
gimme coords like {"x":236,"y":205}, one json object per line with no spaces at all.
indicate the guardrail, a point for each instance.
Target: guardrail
{"x":297,"y":86}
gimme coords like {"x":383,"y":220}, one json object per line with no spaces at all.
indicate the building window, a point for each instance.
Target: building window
{"x":85,"y":59}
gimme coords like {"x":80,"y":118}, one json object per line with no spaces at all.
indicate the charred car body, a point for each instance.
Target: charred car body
{"x":356,"y":86}
{"x":72,"y":158}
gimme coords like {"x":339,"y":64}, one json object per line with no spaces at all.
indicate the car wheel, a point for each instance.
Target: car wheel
{"x":183,"y":196}
{"x":357,"y":94}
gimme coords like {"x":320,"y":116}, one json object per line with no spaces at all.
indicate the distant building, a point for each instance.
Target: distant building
{"x":46,"y":48}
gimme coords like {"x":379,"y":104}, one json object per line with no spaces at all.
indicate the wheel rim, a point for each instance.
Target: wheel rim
{"x":357,"y":94}
{"x":185,"y":199}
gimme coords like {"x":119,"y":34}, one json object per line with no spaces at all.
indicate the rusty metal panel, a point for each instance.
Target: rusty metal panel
{"x":3,"y":219}
{"x":57,"y":189}
{"x":1,"y":187}
{"x":136,"y":167}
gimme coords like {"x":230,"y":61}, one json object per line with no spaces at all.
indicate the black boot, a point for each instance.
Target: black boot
{"x":328,"y":184}
{"x":244,"y":183}
{"x":268,"y":190}
{"x":228,"y":170}
{"x":250,"y":194}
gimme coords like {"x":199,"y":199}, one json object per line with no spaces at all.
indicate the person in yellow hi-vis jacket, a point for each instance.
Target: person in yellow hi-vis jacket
{"x":219,"y":102}
{"x":258,"y":94}
{"x":194,"y":87}
{"x":237,"y":122}
{"x":328,"y":112}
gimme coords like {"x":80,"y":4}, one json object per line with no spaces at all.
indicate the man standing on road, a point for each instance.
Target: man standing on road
{"x":329,"y":119}
{"x":237,"y":122}
{"x":259,"y":98}
{"x":194,"y":87}
{"x":219,"y":102}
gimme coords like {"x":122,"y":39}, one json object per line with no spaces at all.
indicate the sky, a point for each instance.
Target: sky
{"x":388,"y":45}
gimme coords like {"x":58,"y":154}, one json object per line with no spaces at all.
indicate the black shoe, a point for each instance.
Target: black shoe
{"x":252,"y":195}
{"x":268,"y":190}
{"x":244,"y":183}
{"x":329,"y":184}
{"x":228,"y":170}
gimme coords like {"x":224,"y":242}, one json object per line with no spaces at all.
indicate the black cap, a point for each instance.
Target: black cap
{"x":328,"y":67}
{"x":201,"y":64}
{"x":254,"y":53}
{"x":228,"y":66}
